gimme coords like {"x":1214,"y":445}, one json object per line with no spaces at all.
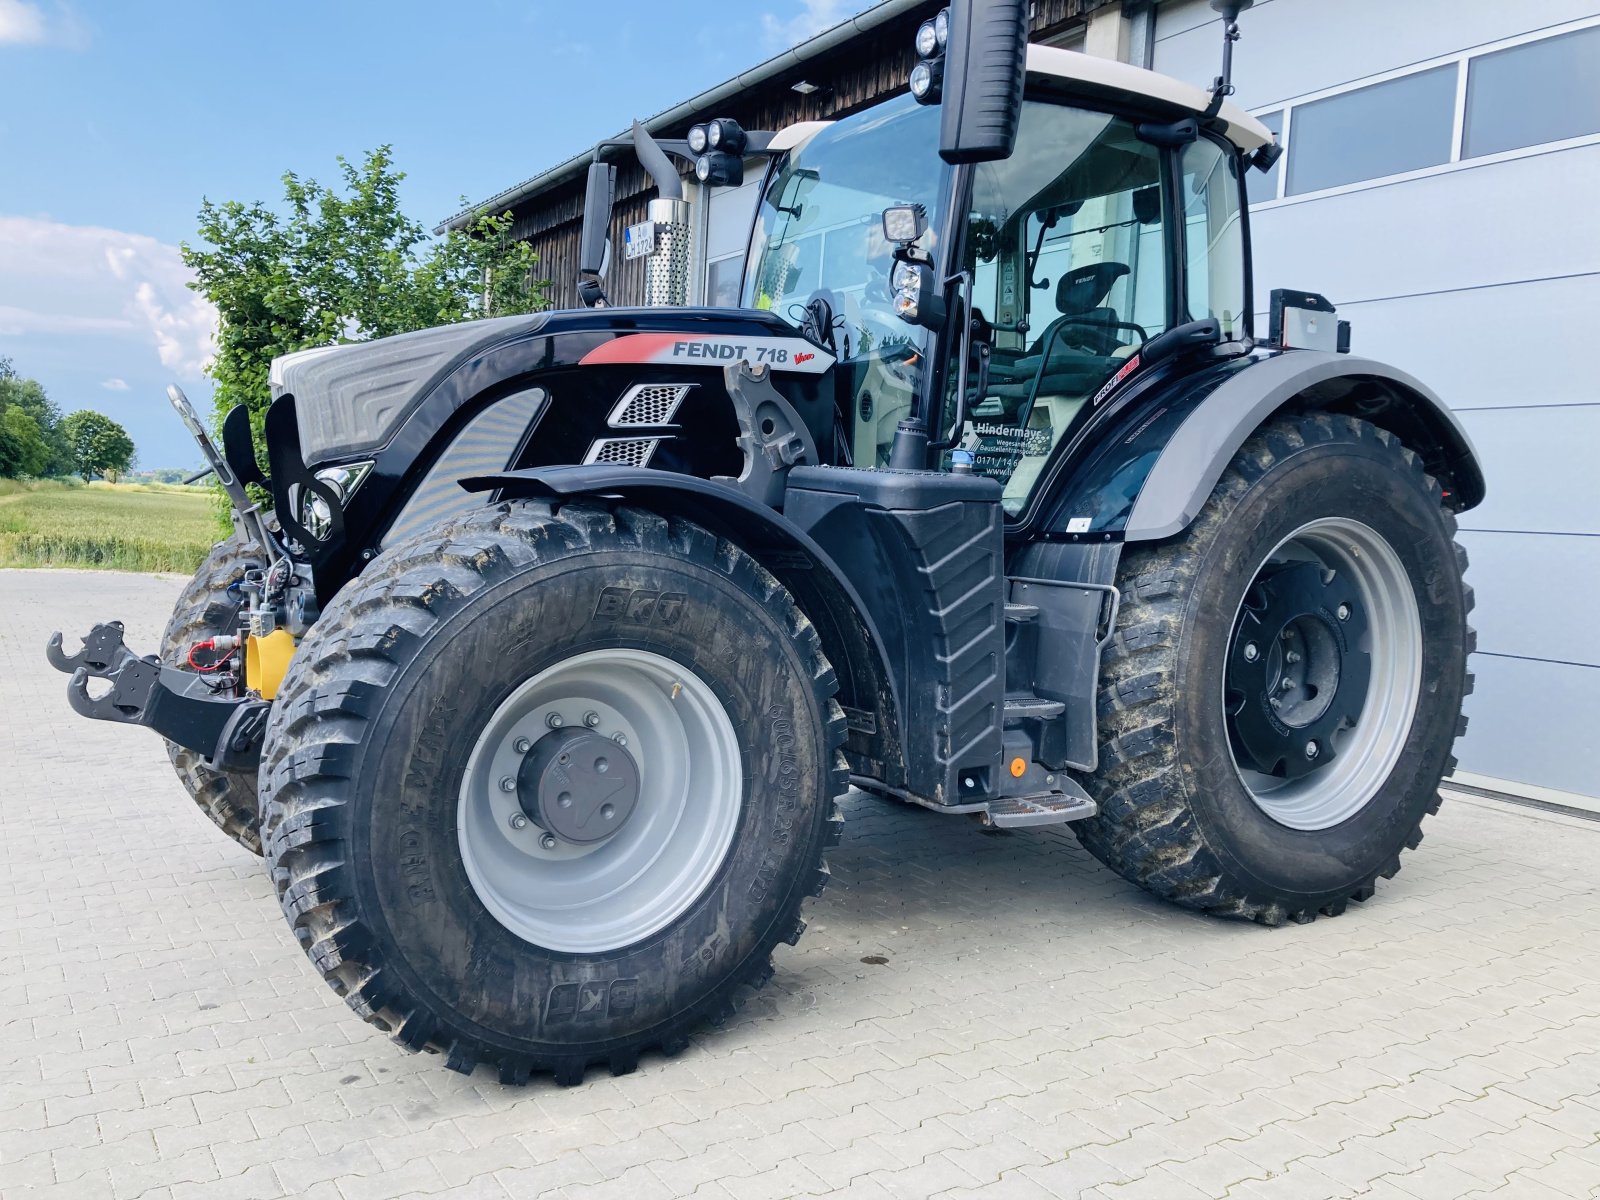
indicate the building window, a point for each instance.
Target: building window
{"x":1545,"y":91}
{"x":1264,"y":186}
{"x":1389,"y":128}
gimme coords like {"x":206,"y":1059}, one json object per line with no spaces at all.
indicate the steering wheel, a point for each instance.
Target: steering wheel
{"x":1094,"y":345}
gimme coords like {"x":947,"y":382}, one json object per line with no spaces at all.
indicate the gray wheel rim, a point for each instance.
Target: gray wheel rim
{"x":591,"y":899}
{"x":1368,"y":750}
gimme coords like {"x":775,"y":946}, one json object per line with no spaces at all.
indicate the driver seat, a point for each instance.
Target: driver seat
{"x":1080,"y":294}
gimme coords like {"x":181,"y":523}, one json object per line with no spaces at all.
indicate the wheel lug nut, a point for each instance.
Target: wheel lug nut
{"x":1251,"y":652}
{"x":554,"y":721}
{"x":508,"y":784}
{"x":1291,"y":657}
{"x":547,"y":842}
{"x":1344,"y":612}
{"x":518,"y":821}
{"x":608,"y":811}
{"x":1274,"y":701}
{"x":1287,"y":685}
{"x":1312,"y":749}
{"x":591,"y":719}
{"x":620,"y":739}
{"x":522,"y":745}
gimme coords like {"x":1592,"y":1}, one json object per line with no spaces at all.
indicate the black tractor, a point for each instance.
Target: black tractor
{"x":537,"y":684}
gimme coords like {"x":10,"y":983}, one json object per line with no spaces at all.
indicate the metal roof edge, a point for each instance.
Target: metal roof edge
{"x":828,"y":39}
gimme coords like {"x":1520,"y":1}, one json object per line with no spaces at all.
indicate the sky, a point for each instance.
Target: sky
{"x":118,"y":116}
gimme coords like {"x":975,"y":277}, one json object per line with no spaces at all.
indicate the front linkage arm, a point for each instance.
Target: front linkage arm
{"x":179,"y":705}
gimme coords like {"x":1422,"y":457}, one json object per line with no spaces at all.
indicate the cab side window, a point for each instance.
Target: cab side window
{"x":1213,"y":236}
{"x":1065,"y":242}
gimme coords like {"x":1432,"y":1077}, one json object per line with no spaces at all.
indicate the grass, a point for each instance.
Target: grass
{"x":123,"y":526}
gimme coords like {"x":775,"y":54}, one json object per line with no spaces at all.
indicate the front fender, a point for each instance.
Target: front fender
{"x":850,"y":638}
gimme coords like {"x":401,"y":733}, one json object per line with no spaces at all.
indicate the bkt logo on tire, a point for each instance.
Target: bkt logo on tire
{"x":640,"y":606}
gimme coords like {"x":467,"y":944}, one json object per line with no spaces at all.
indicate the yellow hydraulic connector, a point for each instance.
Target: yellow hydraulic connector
{"x":266,"y":659}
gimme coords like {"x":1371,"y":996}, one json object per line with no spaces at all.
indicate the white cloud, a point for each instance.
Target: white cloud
{"x":85,"y":280}
{"x":25,"y":23}
{"x":781,"y":32}
{"x":115,"y":385}
{"x":21,"y":23}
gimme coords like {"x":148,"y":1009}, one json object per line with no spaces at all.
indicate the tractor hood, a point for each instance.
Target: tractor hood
{"x":349,"y":400}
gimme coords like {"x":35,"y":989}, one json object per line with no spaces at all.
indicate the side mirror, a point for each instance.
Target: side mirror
{"x":985,"y":62}
{"x":594,"y":243}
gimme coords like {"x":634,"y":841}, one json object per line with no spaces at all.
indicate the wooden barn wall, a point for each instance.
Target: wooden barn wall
{"x":855,"y":76}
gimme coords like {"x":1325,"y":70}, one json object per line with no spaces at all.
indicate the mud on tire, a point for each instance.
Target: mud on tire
{"x":1175,"y":814}
{"x":370,"y":741}
{"x":204,"y":609}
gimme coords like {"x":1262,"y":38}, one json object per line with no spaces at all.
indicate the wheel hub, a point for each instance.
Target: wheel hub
{"x":1297,"y":673}
{"x":578,"y":786}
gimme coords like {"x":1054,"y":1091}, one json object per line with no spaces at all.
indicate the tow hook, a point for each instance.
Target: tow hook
{"x":179,"y":705}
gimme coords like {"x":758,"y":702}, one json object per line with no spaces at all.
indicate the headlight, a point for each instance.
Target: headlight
{"x":702,"y":168}
{"x":941,"y":27}
{"x":714,"y":134}
{"x":906,"y":278}
{"x":926,"y":77}
{"x":921,"y":80}
{"x":697,"y":139}
{"x":314,"y":513}
{"x":928,"y":42}
{"x":316,"y":516}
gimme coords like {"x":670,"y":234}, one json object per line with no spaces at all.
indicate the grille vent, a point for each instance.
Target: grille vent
{"x":648,"y":404}
{"x":632,"y":452}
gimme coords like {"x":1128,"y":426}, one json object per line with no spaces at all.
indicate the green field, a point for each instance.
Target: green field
{"x":125,"y":527}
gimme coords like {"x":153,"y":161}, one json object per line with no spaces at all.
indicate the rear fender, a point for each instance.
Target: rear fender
{"x":1154,"y":468}
{"x":854,"y":645}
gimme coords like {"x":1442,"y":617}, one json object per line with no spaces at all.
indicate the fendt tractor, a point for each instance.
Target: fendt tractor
{"x":538,"y":681}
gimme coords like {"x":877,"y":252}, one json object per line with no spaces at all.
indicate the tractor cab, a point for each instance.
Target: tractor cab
{"x":1114,"y":219}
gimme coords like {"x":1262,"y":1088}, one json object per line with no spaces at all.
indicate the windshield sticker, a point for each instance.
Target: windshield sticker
{"x":689,"y":349}
{"x":1001,"y":447}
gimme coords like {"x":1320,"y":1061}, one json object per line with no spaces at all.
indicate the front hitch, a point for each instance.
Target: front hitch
{"x":179,"y":705}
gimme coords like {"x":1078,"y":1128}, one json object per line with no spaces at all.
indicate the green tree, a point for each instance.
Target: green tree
{"x":99,"y":445}
{"x":23,"y":450}
{"x":339,"y":265}
{"x":27,"y":396}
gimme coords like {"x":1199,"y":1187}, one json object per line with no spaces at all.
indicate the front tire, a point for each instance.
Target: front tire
{"x":1280,"y":699}
{"x":461,"y":725}
{"x":205,"y":610}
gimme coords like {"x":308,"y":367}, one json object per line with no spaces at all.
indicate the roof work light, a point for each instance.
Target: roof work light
{"x":927,"y":76}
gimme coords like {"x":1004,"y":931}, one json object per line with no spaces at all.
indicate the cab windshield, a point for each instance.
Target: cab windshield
{"x":819,"y":237}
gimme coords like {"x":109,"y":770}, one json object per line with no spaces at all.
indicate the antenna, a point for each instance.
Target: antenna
{"x":1223,"y":85}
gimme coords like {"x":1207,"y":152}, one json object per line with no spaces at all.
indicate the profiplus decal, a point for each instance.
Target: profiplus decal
{"x":1128,"y":368}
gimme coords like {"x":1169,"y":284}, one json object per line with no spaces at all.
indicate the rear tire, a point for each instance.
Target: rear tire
{"x":1193,"y":806}
{"x":402,"y":858}
{"x":204,"y":610}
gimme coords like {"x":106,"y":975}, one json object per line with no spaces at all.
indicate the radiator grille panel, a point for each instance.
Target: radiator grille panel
{"x":632,"y":452}
{"x":648,"y":404}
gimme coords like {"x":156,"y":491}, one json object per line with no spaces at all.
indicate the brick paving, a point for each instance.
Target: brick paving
{"x":1039,"y":1028}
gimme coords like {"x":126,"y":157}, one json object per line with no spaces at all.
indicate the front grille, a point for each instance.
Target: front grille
{"x":632,"y":452}
{"x":648,"y":404}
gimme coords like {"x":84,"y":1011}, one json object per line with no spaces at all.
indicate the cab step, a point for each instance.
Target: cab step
{"x":1021,"y":708}
{"x":1068,"y":803}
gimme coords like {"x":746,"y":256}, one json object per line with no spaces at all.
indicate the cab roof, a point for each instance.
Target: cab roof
{"x":1111,"y":79}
